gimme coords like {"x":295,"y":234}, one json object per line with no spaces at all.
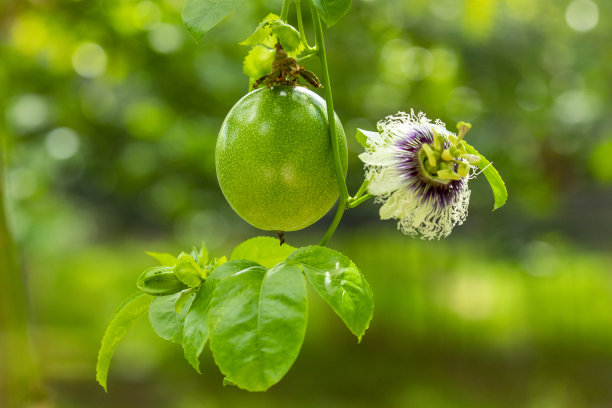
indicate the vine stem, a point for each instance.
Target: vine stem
{"x":362,"y":189}
{"x":356,"y":201}
{"x":285,"y":10}
{"x":331,"y":119}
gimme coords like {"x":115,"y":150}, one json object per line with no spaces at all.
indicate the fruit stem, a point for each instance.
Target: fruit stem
{"x":298,"y":11}
{"x":331,"y":118}
{"x":336,"y":221}
{"x":285,"y":10}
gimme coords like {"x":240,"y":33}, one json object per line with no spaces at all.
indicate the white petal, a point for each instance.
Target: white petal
{"x":384,"y":181}
{"x":383,"y":156}
{"x":397,"y":205}
{"x":373,"y":138}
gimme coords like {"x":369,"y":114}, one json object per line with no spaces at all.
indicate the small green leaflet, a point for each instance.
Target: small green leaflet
{"x":188,"y":271}
{"x":195,"y":332}
{"x":331,"y":11}
{"x":163,"y":259}
{"x":363,"y":136}
{"x":287,"y":35}
{"x":257,"y":322}
{"x":266,"y":251}
{"x":271,"y":29}
{"x":500,"y":194}
{"x":340,"y":283}
{"x":166,"y":322}
{"x":201,"y":15}
{"x":203,"y":255}
{"x":126,"y":315}
{"x":262,"y":33}
{"x":258,"y":62}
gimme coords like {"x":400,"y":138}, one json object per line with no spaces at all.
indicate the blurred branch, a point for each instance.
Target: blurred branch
{"x":18,"y":372}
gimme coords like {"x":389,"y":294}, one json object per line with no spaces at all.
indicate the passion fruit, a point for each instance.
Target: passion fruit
{"x":274,"y":158}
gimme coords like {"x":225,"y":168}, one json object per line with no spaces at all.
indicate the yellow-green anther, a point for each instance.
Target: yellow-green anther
{"x":471,"y":158}
{"x":447,"y":155}
{"x":453,"y":139}
{"x":454,"y":151}
{"x":463,"y":128}
{"x":463,"y":170}
{"x":431,"y":169}
{"x":430,"y":154}
{"x":437,"y":140}
{"x":448,"y":175}
{"x":461,"y":147}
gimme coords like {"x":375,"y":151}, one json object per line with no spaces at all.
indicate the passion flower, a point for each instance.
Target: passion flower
{"x":419,"y":171}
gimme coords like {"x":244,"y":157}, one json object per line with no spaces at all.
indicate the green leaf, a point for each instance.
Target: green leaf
{"x":363,"y":136}
{"x":201,"y":15}
{"x":500,"y":194}
{"x":340,"y":283}
{"x":125,"y":316}
{"x":195,"y":332}
{"x":166,"y":322}
{"x":257,"y":324}
{"x":266,"y":251}
{"x":184,"y":296}
{"x":163,"y":259}
{"x":287,"y":35}
{"x":262,"y":32}
{"x":258,"y":62}
{"x":331,"y":11}
{"x":159,"y":281}
{"x":188,"y":271}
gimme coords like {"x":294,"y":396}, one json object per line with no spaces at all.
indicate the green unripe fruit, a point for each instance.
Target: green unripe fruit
{"x":274,"y":158}
{"x":160,"y":281}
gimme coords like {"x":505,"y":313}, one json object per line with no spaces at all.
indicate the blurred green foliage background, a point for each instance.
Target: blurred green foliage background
{"x":111,"y":113}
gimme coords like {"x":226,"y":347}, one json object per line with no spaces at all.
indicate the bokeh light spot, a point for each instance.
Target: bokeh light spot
{"x":165,"y":38}
{"x":445,"y":9}
{"x":62,"y":143}
{"x":29,"y":35}
{"x":417,"y":63}
{"x":576,"y":106}
{"x":147,"y":14}
{"x":22,"y":183}
{"x":540,"y":258}
{"x":445,"y":63}
{"x":472,"y":297}
{"x":89,"y":60}
{"x":582,"y":15}
{"x":29,"y":112}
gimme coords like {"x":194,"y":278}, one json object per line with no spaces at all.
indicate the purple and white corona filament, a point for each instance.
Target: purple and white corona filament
{"x":419,"y":171}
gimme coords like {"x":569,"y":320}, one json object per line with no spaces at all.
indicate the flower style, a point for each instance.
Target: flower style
{"x":419,"y":171}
